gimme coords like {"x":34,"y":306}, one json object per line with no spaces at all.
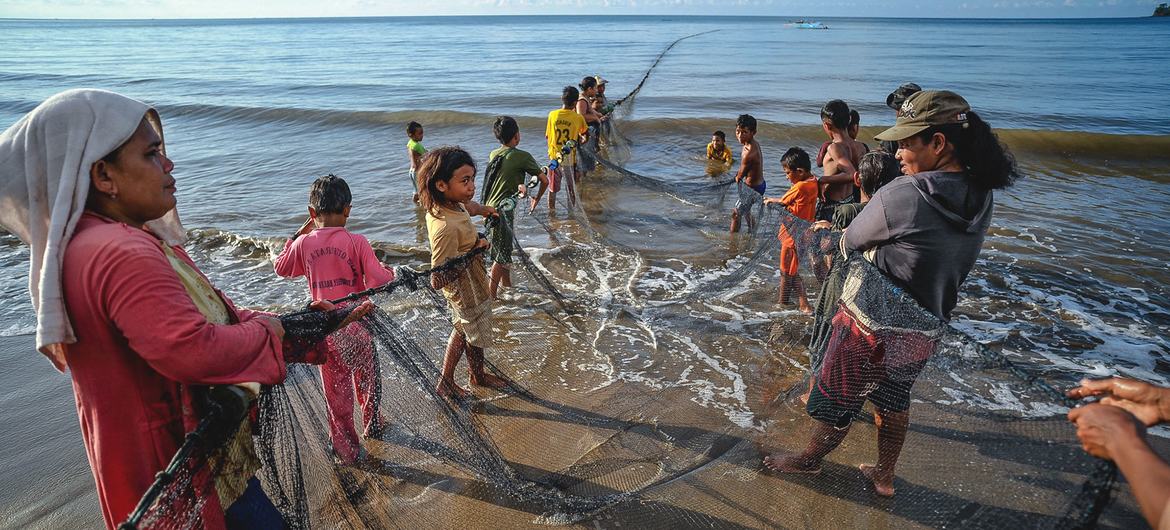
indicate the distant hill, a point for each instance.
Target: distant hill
{"x":1163,"y":10}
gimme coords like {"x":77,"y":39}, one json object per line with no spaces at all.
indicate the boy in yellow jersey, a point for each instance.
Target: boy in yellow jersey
{"x":564,"y":124}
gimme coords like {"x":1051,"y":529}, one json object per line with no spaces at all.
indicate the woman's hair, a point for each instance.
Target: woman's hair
{"x":587,"y":82}
{"x":989,"y":164}
{"x":329,"y":194}
{"x":876,"y":169}
{"x":437,"y":166}
{"x":836,"y":113}
{"x":505,"y":129}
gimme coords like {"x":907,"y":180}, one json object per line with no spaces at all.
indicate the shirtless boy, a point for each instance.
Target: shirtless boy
{"x":841,"y":160}
{"x":750,"y":174}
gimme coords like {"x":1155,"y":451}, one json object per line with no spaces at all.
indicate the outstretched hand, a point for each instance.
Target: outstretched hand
{"x":1105,"y":430}
{"x":1149,"y":403}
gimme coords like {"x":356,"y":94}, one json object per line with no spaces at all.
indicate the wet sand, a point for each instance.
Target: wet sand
{"x":45,"y":480}
{"x":958,"y":468}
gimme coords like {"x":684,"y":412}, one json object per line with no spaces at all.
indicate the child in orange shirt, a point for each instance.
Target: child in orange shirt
{"x":801,"y":201}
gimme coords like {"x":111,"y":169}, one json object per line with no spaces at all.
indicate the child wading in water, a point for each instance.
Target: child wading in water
{"x":338,"y":263}
{"x":751,"y":173}
{"x":801,"y":201}
{"x":414,"y":150}
{"x":447,"y":185}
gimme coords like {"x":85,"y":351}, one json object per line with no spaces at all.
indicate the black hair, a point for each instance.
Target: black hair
{"x":746,"y":121}
{"x":439,"y":165}
{"x":876,"y":169}
{"x":413,"y":127}
{"x":836,"y":113}
{"x":505,"y":129}
{"x":569,"y":95}
{"x":720,"y":135}
{"x":587,"y":82}
{"x":330,"y":194}
{"x":989,"y":164}
{"x":796,"y":158}
{"x":854,"y":118}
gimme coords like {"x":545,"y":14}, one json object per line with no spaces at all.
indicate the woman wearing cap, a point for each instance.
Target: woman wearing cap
{"x":119,"y":303}
{"x":924,"y":231}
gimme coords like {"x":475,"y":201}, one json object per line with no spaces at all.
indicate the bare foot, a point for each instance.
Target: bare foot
{"x":487,"y":380}
{"x":782,"y":462}
{"x":804,"y":397}
{"x":804,"y":308}
{"x":883,"y":486}
{"x":450,"y":389}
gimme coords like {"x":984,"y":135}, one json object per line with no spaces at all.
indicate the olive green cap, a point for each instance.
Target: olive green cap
{"x":924,"y":109}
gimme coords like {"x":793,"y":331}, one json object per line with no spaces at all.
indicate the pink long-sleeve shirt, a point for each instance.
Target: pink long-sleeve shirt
{"x":141,"y":344}
{"x":336,"y":262}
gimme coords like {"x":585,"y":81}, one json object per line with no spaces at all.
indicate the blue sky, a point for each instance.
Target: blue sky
{"x":317,"y":8}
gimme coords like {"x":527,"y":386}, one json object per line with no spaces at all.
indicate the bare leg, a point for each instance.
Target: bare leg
{"x":891,"y":436}
{"x":824,"y":440}
{"x":498,"y":273}
{"x":734,"y":221}
{"x":808,"y":394}
{"x":447,"y":386}
{"x":801,"y":296}
{"x":476,"y":375}
{"x":785,"y":286}
{"x":552,"y":201}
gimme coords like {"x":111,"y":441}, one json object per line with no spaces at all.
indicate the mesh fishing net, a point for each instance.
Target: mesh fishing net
{"x":642,"y":391}
{"x":583,"y":434}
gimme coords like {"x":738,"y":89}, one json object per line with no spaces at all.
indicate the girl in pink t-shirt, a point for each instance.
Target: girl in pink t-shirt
{"x":338,"y":263}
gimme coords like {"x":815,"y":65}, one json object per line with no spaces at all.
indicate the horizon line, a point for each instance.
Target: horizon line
{"x":616,"y":15}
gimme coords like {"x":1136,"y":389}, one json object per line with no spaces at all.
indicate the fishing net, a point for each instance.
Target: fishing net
{"x":643,"y":390}
{"x":583,"y":434}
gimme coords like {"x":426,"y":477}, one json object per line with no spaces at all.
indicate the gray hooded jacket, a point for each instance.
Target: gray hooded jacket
{"x":927,"y":231}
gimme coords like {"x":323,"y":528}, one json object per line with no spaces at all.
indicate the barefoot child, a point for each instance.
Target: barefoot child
{"x":507,"y":168}
{"x":447,"y":185}
{"x":801,"y":201}
{"x":564,"y":124}
{"x":414,"y":150}
{"x":337,"y":263}
{"x":750,"y":174}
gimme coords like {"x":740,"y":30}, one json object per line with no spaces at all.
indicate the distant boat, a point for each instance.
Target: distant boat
{"x":805,"y":24}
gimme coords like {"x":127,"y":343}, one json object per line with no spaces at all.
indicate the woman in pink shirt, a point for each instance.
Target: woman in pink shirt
{"x":339,"y":263}
{"x":88,"y":186}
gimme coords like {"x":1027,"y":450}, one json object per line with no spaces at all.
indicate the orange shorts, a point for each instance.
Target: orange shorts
{"x":789,"y":259}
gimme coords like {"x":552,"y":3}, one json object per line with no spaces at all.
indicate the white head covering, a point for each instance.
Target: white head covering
{"x":45,"y":160}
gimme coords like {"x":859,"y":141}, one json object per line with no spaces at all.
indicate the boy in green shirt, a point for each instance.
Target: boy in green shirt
{"x":415,"y":150}
{"x":505,"y":175}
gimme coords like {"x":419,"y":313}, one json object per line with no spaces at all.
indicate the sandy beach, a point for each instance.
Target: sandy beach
{"x":1008,"y":473}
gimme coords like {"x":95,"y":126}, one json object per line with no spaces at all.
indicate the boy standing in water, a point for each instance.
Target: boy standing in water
{"x":750,"y":174}
{"x":564,"y":125}
{"x":338,"y":263}
{"x":801,"y":202}
{"x":414,"y":150}
{"x":506,"y":171}
{"x":841,"y":159}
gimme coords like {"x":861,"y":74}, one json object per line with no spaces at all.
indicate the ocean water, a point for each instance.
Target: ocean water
{"x":1072,"y":281}
{"x":1073,"y":275}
